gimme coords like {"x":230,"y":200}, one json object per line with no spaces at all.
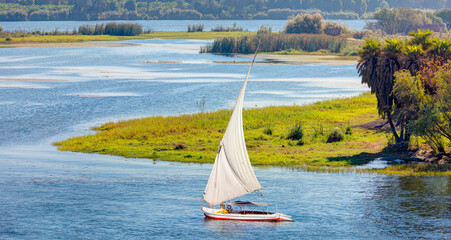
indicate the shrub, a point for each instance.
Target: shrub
{"x":333,"y":29}
{"x":233,"y":28}
{"x":305,"y":23}
{"x":335,"y":136}
{"x":1,"y":28}
{"x":196,"y":28}
{"x":427,"y":103}
{"x":300,"y":142}
{"x":264,"y":30}
{"x":296,"y":133}
{"x":319,"y":131}
{"x":348,"y":130}
{"x":179,"y":146}
{"x":267,"y":130}
{"x":359,"y":34}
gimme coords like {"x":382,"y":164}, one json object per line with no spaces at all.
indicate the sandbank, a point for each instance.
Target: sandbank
{"x":68,"y":45}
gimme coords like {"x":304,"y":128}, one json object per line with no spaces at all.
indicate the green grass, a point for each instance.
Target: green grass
{"x":30,"y":38}
{"x":195,"y":137}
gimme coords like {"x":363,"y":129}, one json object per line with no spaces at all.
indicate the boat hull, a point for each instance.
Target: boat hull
{"x":237,"y":215}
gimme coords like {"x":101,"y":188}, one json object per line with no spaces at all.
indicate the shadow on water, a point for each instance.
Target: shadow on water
{"x":223,"y":226}
{"x":356,"y":160}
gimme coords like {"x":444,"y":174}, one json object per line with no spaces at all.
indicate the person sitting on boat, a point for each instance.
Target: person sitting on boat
{"x":222,"y":208}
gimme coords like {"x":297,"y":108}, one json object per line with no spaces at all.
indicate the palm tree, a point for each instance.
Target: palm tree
{"x":413,"y":60}
{"x":441,"y":48}
{"x":421,"y":38}
{"x":367,"y":64}
{"x":380,"y":82}
{"x":389,"y":63}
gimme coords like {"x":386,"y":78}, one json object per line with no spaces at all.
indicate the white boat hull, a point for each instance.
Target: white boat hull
{"x":240,"y":215}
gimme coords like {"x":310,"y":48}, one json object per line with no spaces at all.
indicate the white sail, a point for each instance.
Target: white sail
{"x":232,"y":174}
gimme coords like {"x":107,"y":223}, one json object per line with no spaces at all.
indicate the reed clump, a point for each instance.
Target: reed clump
{"x":113,"y":29}
{"x":275,"y":42}
{"x":233,"y":28}
{"x":196,"y":28}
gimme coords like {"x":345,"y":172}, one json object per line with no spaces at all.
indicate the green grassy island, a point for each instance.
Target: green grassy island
{"x":17,"y":38}
{"x":195,"y":137}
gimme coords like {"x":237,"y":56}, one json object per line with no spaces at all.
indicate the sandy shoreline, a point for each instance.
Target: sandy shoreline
{"x":68,"y":45}
{"x":302,"y":59}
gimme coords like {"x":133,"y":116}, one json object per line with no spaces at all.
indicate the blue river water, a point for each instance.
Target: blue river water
{"x":49,"y":94}
{"x":164,"y":25}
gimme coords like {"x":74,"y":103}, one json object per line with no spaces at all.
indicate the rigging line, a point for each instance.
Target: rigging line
{"x":261,"y":195}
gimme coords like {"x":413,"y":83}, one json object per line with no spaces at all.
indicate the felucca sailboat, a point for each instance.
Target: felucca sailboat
{"x":232,"y":175}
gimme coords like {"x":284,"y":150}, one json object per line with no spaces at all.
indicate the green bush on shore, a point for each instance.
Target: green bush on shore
{"x":305,"y":23}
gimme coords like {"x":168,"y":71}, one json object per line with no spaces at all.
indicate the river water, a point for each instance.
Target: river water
{"x":62,"y":92}
{"x":165,"y":25}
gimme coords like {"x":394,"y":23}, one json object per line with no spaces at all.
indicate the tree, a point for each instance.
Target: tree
{"x":445,"y":15}
{"x":305,"y":23}
{"x":399,"y":20}
{"x":421,"y":38}
{"x":389,"y":63}
{"x":376,"y":67}
{"x":130,"y":5}
{"x":367,"y":64}
{"x":429,"y":111}
{"x":413,"y":60}
{"x":441,"y":49}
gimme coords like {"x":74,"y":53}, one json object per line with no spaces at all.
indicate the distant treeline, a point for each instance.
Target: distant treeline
{"x":23,"y":10}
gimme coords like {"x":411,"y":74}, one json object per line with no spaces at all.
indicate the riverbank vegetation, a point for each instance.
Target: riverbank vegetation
{"x":305,"y":32}
{"x":44,"y":10}
{"x":290,"y":136}
{"x":412,"y":83}
{"x":311,"y":33}
{"x":7,"y":38}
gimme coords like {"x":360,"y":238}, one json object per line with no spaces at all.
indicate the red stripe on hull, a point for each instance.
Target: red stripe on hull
{"x":241,"y":219}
